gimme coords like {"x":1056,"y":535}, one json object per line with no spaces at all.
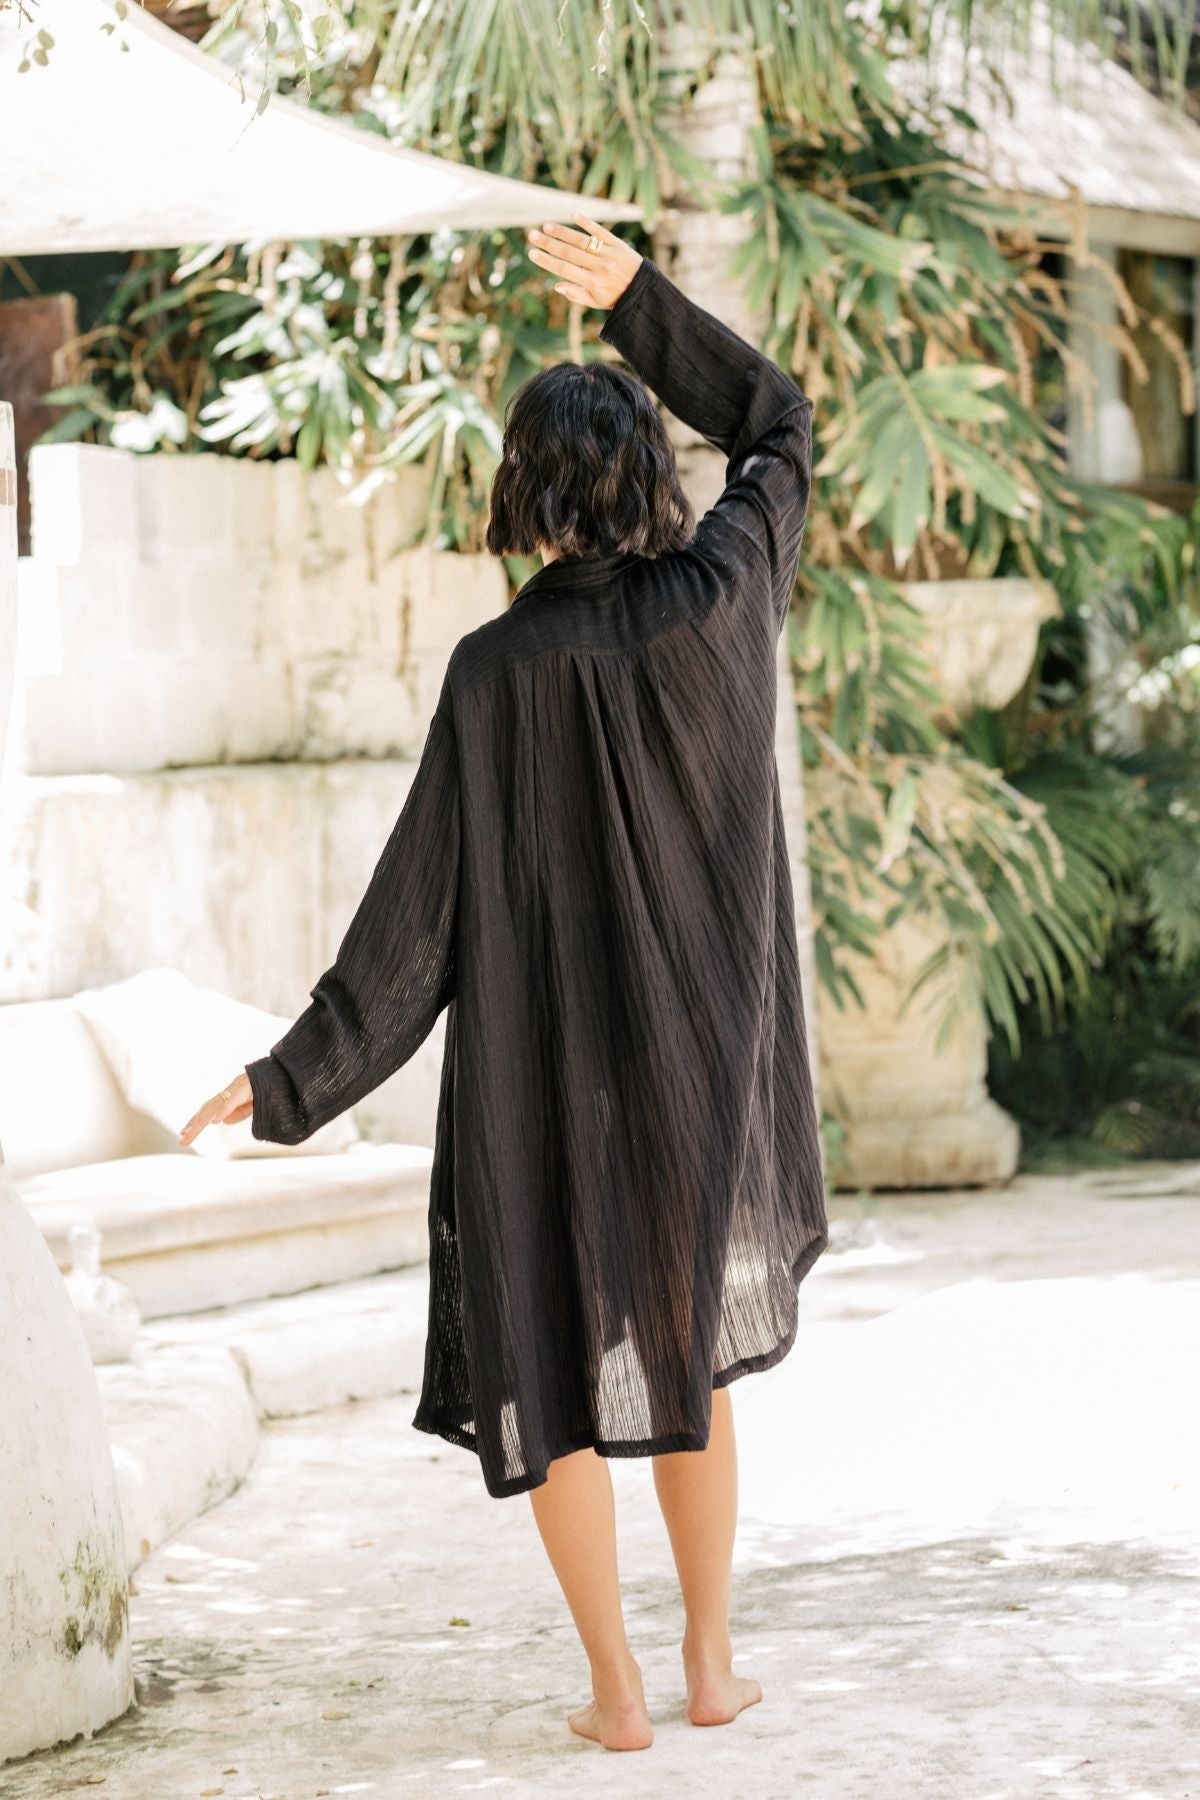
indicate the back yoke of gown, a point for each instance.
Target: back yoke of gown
{"x":590,"y":875}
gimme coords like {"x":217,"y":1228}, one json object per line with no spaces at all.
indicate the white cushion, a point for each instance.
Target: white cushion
{"x":172,"y":1045}
{"x":60,"y":1105}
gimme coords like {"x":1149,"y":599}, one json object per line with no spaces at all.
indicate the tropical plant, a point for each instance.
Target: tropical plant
{"x":1114,"y":762}
{"x":465,"y":79}
{"x":918,"y":308}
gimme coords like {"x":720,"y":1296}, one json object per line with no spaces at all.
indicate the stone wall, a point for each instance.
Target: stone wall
{"x":225,"y":677}
{"x":187,"y":610}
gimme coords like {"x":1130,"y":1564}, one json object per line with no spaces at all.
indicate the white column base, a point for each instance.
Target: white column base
{"x":65,"y":1663}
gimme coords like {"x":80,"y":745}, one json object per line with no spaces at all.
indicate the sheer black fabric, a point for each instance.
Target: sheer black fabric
{"x":590,"y":875}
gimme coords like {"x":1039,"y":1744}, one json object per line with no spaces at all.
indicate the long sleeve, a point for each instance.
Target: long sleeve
{"x":394,"y":970}
{"x":740,"y":402}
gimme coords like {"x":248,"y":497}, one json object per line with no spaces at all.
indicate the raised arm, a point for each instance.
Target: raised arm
{"x":740,"y":402}
{"x":716,"y":383}
{"x":394,"y":970}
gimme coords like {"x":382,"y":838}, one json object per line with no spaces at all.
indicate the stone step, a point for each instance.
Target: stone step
{"x":188,"y":1233}
{"x":356,"y":1340}
{"x":183,"y":1416}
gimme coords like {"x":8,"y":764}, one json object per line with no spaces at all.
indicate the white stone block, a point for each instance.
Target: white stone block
{"x":403,"y":507}
{"x":129,"y":707}
{"x":361,"y":813}
{"x":981,"y":635}
{"x":466,"y":592}
{"x":184,"y":504}
{"x":59,"y":722}
{"x":385,"y":627}
{"x":292,"y":511}
{"x":154,"y":610}
{"x":82,"y":496}
{"x":94,"y":614}
{"x":46,"y":1049}
{"x":220,"y":613}
{"x":220,"y":710}
{"x":202,"y":1275}
{"x":334,"y":612}
{"x":253,"y":487}
{"x":342,"y":613}
{"x":269,"y":615}
{"x":343,"y":528}
{"x":358,"y":707}
{"x":38,"y":637}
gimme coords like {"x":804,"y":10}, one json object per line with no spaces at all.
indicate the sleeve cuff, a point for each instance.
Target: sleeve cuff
{"x":272,"y":1119}
{"x":643,"y":277}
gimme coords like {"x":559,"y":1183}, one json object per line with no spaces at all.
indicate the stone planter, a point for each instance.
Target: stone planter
{"x":913,"y":1114}
{"x":980,"y":636}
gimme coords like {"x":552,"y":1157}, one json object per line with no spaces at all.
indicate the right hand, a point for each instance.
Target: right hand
{"x":226,"y":1108}
{"x":587,"y":277}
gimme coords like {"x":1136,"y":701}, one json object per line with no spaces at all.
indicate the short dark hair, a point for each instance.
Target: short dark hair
{"x":586,"y":468}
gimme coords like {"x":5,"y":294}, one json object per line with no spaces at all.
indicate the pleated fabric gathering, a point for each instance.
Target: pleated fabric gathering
{"x":589,"y":875}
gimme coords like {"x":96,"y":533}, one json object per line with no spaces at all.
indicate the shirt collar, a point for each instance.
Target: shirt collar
{"x":576,"y":572}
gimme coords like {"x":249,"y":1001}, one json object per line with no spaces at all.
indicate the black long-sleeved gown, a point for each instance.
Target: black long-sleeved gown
{"x":589,"y":873}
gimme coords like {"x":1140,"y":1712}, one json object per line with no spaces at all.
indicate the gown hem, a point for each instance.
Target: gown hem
{"x":439,"y":1426}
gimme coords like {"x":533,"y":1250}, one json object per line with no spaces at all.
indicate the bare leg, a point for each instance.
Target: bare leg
{"x":576,"y":1517}
{"x":697,"y":1491}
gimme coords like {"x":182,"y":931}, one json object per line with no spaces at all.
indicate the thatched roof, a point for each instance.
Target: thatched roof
{"x":1072,"y":125}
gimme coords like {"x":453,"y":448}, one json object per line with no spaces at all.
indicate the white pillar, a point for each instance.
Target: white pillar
{"x":8,"y":567}
{"x":65,"y":1663}
{"x":1102,"y":445}
{"x":1090,"y":413}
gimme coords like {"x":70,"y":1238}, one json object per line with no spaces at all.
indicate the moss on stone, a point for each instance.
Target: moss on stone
{"x":95,"y":1584}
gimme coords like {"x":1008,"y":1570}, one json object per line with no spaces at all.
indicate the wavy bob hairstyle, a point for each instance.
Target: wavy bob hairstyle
{"x":587,"y":468}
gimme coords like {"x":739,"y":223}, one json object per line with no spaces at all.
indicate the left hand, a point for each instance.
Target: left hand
{"x":226,"y":1108}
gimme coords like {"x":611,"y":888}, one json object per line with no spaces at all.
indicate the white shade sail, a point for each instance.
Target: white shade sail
{"x":131,"y":138}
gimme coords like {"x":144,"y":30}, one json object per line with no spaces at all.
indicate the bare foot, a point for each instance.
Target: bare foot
{"x":621,"y":1722}
{"x":715,"y":1694}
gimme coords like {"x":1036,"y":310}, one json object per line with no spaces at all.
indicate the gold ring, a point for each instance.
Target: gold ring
{"x":594,"y":243}
{"x":225,"y":1094}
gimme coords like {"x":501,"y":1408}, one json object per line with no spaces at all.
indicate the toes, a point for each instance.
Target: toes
{"x":583,"y":1723}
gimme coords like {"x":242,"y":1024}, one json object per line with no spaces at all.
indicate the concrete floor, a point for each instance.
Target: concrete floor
{"x":968,"y":1564}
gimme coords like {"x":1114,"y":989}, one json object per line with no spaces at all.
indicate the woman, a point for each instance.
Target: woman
{"x":589,"y":873}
